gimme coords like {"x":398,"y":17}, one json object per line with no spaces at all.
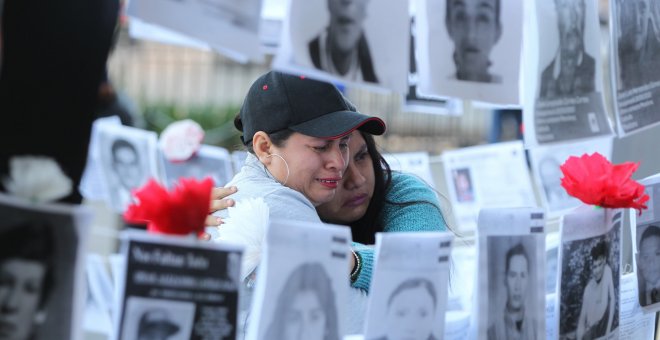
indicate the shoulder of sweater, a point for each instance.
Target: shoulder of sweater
{"x":406,"y":187}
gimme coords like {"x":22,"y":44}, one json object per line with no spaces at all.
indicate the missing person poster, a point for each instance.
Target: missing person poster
{"x":42,"y":263}
{"x":409,"y":282}
{"x":590,"y":267}
{"x":635,"y":51}
{"x":568,"y":101}
{"x":486,"y":176}
{"x":511,"y":274}
{"x":646,"y":246}
{"x":302,"y":283}
{"x":178,"y":288}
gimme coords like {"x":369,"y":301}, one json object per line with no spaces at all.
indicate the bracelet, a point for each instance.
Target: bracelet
{"x":358,"y":266}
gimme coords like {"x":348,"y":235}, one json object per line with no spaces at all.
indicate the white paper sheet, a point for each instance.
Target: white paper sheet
{"x":646,"y":247}
{"x":209,"y":161}
{"x":378,"y":57}
{"x":230,"y":27}
{"x":550,"y":316}
{"x":178,"y":287}
{"x":511,"y":274}
{"x":569,"y":107}
{"x":635,"y":323}
{"x":91,"y":184}
{"x":140,"y":29}
{"x":303,"y":272}
{"x":490,"y":51}
{"x":416,"y":163}
{"x":590,"y":267}
{"x":493,"y":175}
{"x":634,"y":51}
{"x":545,"y":162}
{"x":43,"y":269}
{"x":408,"y":294}
{"x":128,"y":159}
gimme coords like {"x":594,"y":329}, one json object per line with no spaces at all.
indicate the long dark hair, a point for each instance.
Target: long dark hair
{"x":364,"y":230}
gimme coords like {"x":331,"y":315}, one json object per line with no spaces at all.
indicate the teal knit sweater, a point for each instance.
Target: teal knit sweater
{"x":414,"y":217}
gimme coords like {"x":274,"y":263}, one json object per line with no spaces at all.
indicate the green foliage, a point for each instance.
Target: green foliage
{"x":217,"y":122}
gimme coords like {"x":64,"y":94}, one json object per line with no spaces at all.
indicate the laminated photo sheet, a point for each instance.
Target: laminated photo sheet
{"x":177,"y":287}
{"x":551,"y":316}
{"x":304,"y":272}
{"x":230,"y":27}
{"x":635,"y":66}
{"x":546,"y":161}
{"x":128,"y":160}
{"x":443,"y":44}
{"x":511,"y":273}
{"x":646,"y":246}
{"x":408,"y":294}
{"x":42,"y":264}
{"x":416,"y":163}
{"x":91,"y":184}
{"x":568,"y":102}
{"x":493,"y":175}
{"x":101,"y":295}
{"x":636,"y":323}
{"x":208,"y":161}
{"x":551,"y":261}
{"x":589,"y":258}
{"x":413,"y":101}
{"x":140,"y":29}
{"x":382,"y":47}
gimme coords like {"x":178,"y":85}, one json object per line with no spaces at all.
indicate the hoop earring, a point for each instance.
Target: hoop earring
{"x":285,"y":164}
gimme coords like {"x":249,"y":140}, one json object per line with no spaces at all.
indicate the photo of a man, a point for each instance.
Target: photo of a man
{"x":515,"y":322}
{"x":342,"y":48}
{"x":638,"y":45}
{"x":572,"y":71}
{"x":474,"y":27}
{"x":648,"y":265}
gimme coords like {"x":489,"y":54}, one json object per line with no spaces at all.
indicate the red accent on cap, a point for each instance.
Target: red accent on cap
{"x":265,"y":87}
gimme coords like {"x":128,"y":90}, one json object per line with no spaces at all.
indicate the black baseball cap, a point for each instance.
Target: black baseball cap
{"x":278,"y":101}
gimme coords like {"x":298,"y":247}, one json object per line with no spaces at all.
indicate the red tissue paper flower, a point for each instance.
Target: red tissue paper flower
{"x":594,"y":180}
{"x":180,"y":212}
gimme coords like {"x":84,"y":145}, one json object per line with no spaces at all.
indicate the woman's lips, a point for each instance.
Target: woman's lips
{"x":329,"y":182}
{"x":356,"y":200}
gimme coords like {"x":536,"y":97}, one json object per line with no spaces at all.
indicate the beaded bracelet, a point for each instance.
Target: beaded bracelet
{"x":358,"y":266}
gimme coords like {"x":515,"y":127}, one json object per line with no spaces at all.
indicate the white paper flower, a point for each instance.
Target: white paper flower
{"x":181,"y":139}
{"x":246,"y":225}
{"x":37,"y":178}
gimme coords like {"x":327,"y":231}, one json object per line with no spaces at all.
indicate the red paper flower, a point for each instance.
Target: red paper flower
{"x":594,"y":180}
{"x":179,"y":212}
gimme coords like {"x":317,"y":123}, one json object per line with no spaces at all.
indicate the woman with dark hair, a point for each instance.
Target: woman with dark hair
{"x":26,"y":279}
{"x":305,"y":308}
{"x":597,"y":312}
{"x":372,"y":198}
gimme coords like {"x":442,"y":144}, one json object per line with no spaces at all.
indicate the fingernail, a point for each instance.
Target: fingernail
{"x":233,"y":188}
{"x":219,"y":220}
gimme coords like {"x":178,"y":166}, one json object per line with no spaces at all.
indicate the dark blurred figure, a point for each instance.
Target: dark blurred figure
{"x":113,"y":103}
{"x":53,"y":60}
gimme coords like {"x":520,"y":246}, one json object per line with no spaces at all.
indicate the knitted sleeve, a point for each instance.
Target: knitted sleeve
{"x":422,"y":215}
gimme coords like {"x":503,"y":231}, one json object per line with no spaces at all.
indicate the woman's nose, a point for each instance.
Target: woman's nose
{"x":353,"y":178}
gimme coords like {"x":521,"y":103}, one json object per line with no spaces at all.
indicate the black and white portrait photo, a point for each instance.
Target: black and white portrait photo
{"x":512,"y":287}
{"x":128,"y":156}
{"x":209,"y":161}
{"x":154,"y":319}
{"x":468,"y":46}
{"x":648,"y":264}
{"x":356,"y":41}
{"x":305,"y":308}
{"x":41,"y":275}
{"x":569,"y":101}
{"x":589,"y":303}
{"x":572,"y":71}
{"x":411,"y":311}
{"x":636,"y":54}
